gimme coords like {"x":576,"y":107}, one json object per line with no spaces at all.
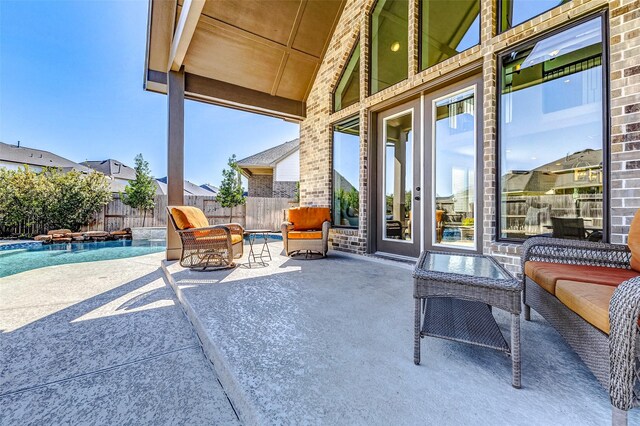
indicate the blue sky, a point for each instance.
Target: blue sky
{"x":71,"y":83}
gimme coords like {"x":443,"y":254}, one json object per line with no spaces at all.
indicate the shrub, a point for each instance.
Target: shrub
{"x":50,"y":199}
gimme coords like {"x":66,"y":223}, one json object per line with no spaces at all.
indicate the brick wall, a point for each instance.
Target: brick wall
{"x":284,"y":189}
{"x":260,"y":186}
{"x":315,"y":131}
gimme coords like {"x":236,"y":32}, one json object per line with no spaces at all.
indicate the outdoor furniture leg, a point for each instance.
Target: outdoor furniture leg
{"x":527,"y":313}
{"x":515,"y":351}
{"x":265,"y":247}
{"x":251,"y":250}
{"x":416,"y":335}
{"x":618,"y":416}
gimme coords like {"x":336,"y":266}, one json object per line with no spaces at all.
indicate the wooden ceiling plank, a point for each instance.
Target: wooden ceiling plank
{"x":326,"y":47}
{"x":292,"y":36}
{"x":215,"y":24}
{"x":187,"y":22}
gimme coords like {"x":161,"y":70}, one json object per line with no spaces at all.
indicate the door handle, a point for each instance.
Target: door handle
{"x":417,"y":198}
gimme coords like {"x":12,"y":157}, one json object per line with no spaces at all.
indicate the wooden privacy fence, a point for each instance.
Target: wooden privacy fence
{"x":266,"y":213}
{"x":257,"y":213}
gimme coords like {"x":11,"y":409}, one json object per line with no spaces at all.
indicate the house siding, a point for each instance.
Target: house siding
{"x":624,"y":100}
{"x":288,"y":169}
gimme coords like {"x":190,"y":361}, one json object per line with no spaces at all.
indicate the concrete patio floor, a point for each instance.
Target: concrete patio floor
{"x":102,"y":343}
{"x":330,"y":341}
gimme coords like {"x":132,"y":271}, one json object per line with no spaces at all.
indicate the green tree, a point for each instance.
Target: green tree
{"x":140,"y":193}
{"x":231,"y":193}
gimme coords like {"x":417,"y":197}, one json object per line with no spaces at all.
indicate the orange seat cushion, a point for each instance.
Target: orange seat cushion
{"x":309,"y":218}
{"x":546,"y":274}
{"x":590,"y":301}
{"x":304,"y":235}
{"x":189,"y":217}
{"x":633,"y":241}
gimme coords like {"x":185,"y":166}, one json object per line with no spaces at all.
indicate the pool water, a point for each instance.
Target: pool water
{"x":25,"y":259}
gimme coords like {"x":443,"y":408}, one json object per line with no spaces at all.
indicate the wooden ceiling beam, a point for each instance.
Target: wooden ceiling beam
{"x":186,"y":27}
{"x":229,"y":95}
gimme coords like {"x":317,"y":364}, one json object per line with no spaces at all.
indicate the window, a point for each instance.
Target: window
{"x":551,"y":136}
{"x":398,"y":176}
{"x":389,"y":43}
{"x":346,"y":173}
{"x":447,"y":28}
{"x":348,"y":89}
{"x":454,"y":168}
{"x":515,"y":12}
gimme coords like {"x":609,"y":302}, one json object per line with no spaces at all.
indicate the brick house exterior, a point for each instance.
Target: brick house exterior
{"x":622,"y":23}
{"x":273,"y":173}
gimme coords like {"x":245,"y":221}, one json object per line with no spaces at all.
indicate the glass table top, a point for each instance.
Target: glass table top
{"x":477,"y":266}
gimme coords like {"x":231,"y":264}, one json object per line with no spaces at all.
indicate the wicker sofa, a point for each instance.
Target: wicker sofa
{"x":306,"y":231}
{"x":590,"y":293}
{"x":205,"y":246}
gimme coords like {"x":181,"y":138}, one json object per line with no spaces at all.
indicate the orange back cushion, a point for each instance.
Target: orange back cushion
{"x":308,"y":218}
{"x":634,"y":241}
{"x":189,"y":217}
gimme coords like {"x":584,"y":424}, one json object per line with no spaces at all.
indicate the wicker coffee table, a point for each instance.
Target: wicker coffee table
{"x":454,"y":294}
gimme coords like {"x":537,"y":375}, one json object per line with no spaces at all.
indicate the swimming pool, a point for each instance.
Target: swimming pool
{"x":39,"y":256}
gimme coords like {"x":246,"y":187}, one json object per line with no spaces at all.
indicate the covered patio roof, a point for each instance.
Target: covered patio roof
{"x":258,"y":56}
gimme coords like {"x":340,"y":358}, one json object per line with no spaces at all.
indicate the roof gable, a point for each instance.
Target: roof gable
{"x":269,"y":157}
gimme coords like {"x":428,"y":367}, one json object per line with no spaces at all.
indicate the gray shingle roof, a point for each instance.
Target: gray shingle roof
{"x":37,"y":157}
{"x":112,"y":168}
{"x":189,"y":188}
{"x":271,"y":156}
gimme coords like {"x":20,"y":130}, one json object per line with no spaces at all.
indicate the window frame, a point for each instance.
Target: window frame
{"x":499,"y":23}
{"x":332,"y":185}
{"x":369,"y":55}
{"x":383,"y":207}
{"x":344,"y":69}
{"x":420,"y":38}
{"x":606,"y":127}
{"x":474,"y":87}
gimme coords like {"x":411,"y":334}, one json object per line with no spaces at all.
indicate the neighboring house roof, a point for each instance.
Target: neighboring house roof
{"x":189,"y":188}
{"x":112,"y":168}
{"x":211,"y":188}
{"x":556,"y":175}
{"x":36,"y":157}
{"x":270,"y":157}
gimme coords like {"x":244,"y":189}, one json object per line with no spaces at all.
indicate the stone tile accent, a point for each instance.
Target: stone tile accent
{"x":353,"y":26}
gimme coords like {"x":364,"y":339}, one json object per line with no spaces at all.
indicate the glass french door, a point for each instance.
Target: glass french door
{"x":452,"y":157}
{"x":398,"y":181}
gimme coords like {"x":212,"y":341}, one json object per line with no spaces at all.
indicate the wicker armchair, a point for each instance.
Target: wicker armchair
{"x":613,"y":357}
{"x":306,"y":231}
{"x":204,"y":246}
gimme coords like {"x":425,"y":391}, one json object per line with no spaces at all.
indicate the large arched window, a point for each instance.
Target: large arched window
{"x":389,"y":43}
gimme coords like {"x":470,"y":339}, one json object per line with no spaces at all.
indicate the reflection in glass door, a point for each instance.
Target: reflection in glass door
{"x":454,"y":160}
{"x":398,"y":181}
{"x":398,"y":177}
